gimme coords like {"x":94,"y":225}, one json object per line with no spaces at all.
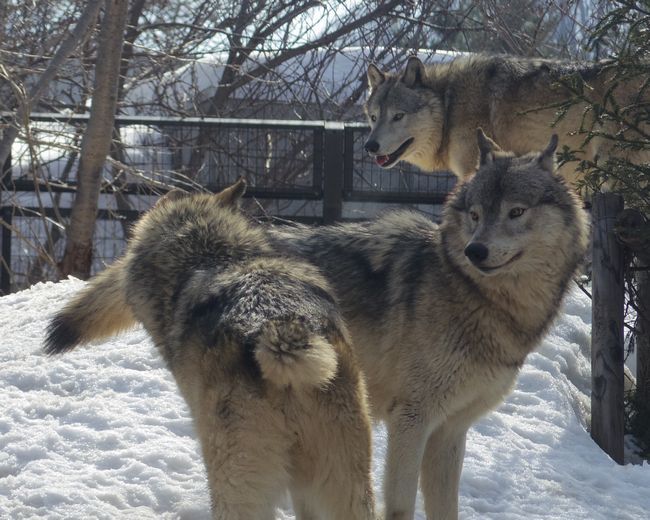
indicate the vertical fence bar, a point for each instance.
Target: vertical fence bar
{"x":5,"y":214}
{"x":643,"y":340}
{"x":5,"y":178}
{"x":318,"y":139}
{"x":348,"y":162}
{"x":633,"y":230}
{"x":5,"y":263}
{"x":334,"y":164}
{"x":607,"y":351}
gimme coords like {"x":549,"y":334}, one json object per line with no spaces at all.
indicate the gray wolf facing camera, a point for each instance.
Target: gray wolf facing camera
{"x":442,"y":318}
{"x":258,"y":349}
{"x":428,"y":115}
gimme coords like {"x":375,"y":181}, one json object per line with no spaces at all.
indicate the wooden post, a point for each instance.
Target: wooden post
{"x":607,"y":356}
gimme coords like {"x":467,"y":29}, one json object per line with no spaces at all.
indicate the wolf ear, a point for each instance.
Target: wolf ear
{"x":486,"y":147}
{"x":232,"y":194}
{"x":546,"y":159}
{"x":414,"y":72}
{"x":375,"y":76}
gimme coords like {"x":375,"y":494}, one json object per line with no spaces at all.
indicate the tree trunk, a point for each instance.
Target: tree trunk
{"x":117,"y":149}
{"x":96,"y":142}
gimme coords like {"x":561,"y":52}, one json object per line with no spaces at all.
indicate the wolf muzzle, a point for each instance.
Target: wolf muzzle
{"x":476,"y":252}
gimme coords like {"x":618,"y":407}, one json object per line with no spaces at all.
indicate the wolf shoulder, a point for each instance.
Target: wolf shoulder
{"x":394,"y":256}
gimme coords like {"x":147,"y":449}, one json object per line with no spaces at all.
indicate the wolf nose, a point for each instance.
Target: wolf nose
{"x":371,"y":146}
{"x":476,"y":252}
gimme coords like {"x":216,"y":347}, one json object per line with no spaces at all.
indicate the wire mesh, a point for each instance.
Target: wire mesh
{"x":283,"y":164}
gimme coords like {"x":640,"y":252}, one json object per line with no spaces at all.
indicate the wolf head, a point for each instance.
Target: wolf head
{"x":228,"y":197}
{"x":184,"y":227}
{"x":515,"y":216}
{"x":405,"y":117}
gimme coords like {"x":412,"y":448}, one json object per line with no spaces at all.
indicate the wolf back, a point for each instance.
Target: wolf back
{"x":427,"y":115}
{"x":258,"y":349}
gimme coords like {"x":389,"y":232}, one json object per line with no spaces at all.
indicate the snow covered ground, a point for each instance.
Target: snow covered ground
{"x":102,"y":433}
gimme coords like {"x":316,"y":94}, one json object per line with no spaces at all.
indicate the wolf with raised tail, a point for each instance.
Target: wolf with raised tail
{"x":443,"y":317}
{"x":259,"y":351}
{"x":427,"y":115}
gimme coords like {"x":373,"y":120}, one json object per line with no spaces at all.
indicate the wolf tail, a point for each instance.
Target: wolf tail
{"x":289,"y":353}
{"x":98,"y":311}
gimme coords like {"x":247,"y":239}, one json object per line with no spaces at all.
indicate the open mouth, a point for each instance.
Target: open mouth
{"x":386,"y":161}
{"x":487,"y":270}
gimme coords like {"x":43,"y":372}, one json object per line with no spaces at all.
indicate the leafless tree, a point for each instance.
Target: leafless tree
{"x":96,"y":141}
{"x":269,"y":60}
{"x":27,"y":97}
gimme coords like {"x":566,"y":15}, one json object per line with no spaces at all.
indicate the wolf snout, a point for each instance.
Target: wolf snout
{"x":371,"y":146}
{"x":476,"y":252}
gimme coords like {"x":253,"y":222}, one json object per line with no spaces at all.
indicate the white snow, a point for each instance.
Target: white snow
{"x":102,"y":432}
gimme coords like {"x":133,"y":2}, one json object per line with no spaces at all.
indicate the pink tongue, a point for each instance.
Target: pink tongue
{"x":382,"y":159}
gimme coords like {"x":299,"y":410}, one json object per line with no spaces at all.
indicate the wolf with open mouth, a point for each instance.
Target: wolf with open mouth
{"x":428,"y":115}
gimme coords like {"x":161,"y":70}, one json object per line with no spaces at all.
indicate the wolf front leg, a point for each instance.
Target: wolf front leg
{"x":407,"y":435}
{"x":441,"y":467}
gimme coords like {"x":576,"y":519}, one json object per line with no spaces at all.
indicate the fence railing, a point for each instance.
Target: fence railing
{"x":316,"y":164}
{"x":313,"y":171}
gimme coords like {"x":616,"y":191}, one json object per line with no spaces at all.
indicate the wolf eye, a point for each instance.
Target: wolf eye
{"x":473,"y":215}
{"x":373,"y":118}
{"x":399,"y":116}
{"x":516,"y":212}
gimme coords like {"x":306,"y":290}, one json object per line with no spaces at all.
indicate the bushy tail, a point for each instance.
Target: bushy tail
{"x":288,"y":353}
{"x":98,"y":311}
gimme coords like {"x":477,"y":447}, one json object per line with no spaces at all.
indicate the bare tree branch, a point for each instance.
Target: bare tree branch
{"x":80,"y":32}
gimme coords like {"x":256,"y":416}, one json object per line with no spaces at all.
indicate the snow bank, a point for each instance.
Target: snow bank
{"x":102,"y":432}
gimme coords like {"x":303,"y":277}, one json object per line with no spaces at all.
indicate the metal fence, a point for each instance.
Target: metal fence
{"x":313,"y":171}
